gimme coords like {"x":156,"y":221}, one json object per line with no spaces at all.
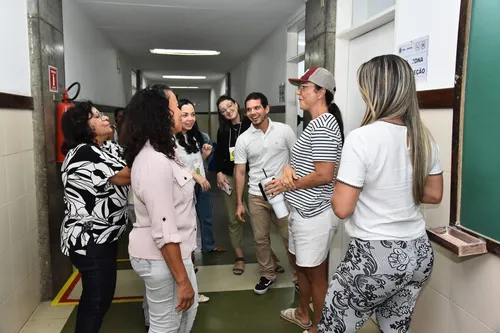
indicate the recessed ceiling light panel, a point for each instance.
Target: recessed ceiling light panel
{"x":187,"y":87}
{"x":185,"y":52}
{"x":184,"y":77}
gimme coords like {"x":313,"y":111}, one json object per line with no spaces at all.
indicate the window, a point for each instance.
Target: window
{"x":134,"y":82}
{"x":301,"y":69}
{"x":296,"y":46}
{"x":301,"y":42}
{"x":362,"y":10}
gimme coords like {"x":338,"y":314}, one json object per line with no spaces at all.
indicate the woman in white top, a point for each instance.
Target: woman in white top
{"x":389,"y":167}
{"x":192,"y":151}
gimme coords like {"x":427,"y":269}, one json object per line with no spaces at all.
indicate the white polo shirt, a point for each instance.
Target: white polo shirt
{"x":268,"y":151}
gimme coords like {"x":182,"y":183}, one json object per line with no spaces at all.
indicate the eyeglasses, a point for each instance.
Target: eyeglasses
{"x":99,"y":115}
{"x":304,"y":85}
{"x":224,"y":110}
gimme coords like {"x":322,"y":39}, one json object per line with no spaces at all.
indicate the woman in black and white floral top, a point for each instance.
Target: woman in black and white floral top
{"x":95,"y":180}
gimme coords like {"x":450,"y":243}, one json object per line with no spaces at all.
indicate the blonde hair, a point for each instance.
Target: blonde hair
{"x":387,"y":85}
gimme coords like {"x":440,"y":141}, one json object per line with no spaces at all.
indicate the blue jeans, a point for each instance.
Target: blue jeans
{"x":98,"y":271}
{"x":204,"y":210}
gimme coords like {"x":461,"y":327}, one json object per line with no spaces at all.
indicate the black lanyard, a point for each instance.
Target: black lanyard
{"x":230,"y":131}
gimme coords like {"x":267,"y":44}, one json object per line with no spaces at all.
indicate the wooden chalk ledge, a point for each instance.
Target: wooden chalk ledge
{"x":457,"y":241}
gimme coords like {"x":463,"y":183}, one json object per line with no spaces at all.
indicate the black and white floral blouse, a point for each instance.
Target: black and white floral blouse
{"x":94,"y":207}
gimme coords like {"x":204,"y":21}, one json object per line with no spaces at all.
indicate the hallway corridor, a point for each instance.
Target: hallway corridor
{"x":233,"y":306}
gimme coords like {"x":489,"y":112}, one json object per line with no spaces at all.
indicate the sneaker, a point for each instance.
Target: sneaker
{"x":263,"y":285}
{"x":203,"y":298}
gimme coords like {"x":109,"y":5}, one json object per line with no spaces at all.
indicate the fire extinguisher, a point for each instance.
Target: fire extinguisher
{"x":62,"y":107}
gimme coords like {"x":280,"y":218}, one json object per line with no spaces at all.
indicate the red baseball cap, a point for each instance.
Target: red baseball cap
{"x":319,"y":76}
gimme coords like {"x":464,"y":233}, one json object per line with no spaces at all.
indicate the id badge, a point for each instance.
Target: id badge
{"x":231,"y":154}
{"x":197,"y":169}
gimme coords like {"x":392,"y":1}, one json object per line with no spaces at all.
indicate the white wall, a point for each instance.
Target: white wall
{"x":19,"y":264}
{"x":438,"y":20}
{"x":14,"y":57}
{"x":92,"y":60}
{"x":218,"y":89}
{"x":238,"y":78}
{"x":462,"y":294}
{"x":201,"y":98}
{"x":264,"y":70}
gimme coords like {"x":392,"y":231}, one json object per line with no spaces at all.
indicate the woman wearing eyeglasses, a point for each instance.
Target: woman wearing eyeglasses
{"x":232,"y":124}
{"x":95,"y":180}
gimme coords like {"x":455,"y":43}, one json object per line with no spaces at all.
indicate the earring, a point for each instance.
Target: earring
{"x":93,"y":128}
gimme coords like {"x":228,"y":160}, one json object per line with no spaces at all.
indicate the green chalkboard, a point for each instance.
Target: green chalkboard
{"x":480,"y":178}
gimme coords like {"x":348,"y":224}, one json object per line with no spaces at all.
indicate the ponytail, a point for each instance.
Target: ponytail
{"x":334,"y":109}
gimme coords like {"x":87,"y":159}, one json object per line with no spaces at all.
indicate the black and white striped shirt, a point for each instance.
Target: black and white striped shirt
{"x":321,"y":141}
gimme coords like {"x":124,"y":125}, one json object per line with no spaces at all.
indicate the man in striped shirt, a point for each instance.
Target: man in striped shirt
{"x":266,"y":147}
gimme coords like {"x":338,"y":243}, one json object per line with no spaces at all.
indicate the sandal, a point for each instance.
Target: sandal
{"x":218,"y":249}
{"x":239,"y":271}
{"x":289,"y":315}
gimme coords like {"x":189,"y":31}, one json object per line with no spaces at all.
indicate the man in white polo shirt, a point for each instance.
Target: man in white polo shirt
{"x":266,"y":146}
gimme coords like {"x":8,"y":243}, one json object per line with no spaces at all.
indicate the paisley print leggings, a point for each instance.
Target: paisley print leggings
{"x":381,"y":277}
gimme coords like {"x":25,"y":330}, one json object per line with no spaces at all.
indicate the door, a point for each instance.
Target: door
{"x":374,"y":43}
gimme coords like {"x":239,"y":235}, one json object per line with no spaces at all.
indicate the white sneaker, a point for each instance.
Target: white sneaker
{"x":203,"y":298}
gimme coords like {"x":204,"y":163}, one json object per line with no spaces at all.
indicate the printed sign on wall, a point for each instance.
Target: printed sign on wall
{"x":53,"y":84}
{"x":416,"y":52}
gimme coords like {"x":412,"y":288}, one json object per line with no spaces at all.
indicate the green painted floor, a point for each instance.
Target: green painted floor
{"x":231,"y":312}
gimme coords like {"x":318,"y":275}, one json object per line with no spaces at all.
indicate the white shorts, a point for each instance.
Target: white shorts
{"x":309,"y":239}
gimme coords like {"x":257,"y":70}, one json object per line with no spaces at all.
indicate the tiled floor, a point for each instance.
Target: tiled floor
{"x":233,"y":307}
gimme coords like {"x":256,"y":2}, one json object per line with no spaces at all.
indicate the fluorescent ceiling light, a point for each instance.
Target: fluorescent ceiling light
{"x":185,"y":52}
{"x":184,"y":77}
{"x":179,"y":87}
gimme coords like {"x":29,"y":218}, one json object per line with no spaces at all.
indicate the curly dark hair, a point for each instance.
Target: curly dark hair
{"x":147,"y":117}
{"x":75,"y":126}
{"x":194,"y":138}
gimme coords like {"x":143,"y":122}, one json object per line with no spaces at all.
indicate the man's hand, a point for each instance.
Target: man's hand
{"x":185,"y":293}
{"x":240,"y":212}
{"x":274,"y":187}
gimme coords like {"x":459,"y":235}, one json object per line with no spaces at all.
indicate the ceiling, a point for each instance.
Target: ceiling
{"x":233,"y":27}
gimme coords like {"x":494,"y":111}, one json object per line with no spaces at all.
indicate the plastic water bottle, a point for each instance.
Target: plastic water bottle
{"x":278,"y":202}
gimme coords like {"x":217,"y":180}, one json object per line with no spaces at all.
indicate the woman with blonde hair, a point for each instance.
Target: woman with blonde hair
{"x":389,"y":167}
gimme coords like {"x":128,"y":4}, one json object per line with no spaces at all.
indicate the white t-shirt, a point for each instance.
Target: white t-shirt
{"x":376,"y":159}
{"x":193,"y":161}
{"x":268,"y":151}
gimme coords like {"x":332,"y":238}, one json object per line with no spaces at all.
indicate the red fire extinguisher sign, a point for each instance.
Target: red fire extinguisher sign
{"x":53,"y":84}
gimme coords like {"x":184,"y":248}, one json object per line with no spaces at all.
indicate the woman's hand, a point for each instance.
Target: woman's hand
{"x":185,"y":295}
{"x":288,"y":178}
{"x":206,"y":150}
{"x":274,"y":187}
{"x":122,"y":178}
{"x":205,"y":185}
{"x":221,"y":179}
